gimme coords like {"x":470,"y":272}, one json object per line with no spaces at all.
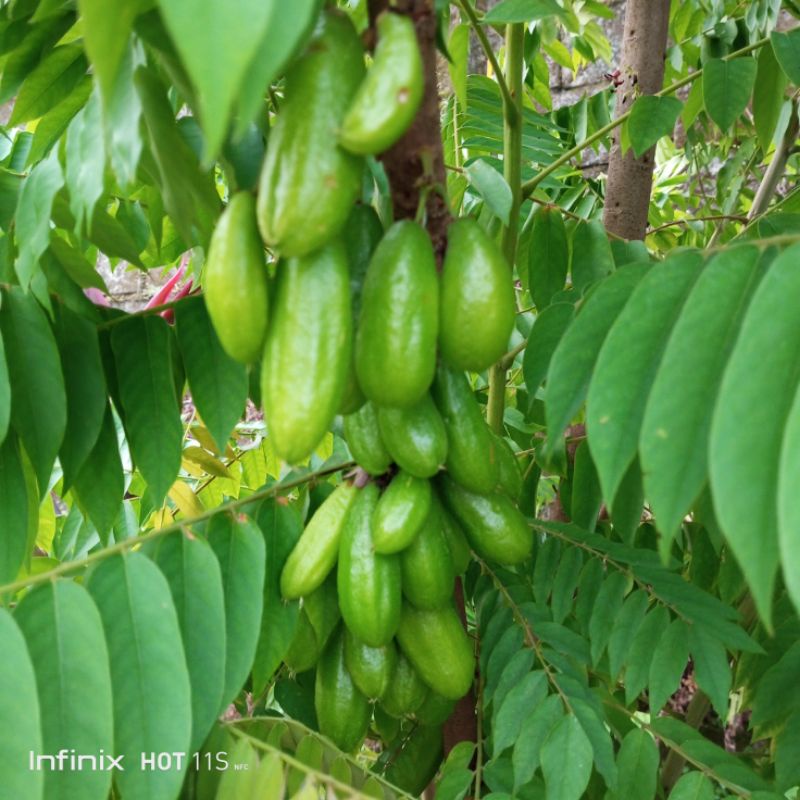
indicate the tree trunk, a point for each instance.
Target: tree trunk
{"x":642,"y":72}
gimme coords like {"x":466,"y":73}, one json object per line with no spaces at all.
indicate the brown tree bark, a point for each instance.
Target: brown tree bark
{"x":630,"y":179}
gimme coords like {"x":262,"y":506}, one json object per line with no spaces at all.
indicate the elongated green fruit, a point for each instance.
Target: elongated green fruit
{"x":308,"y":183}
{"x":342,"y":711}
{"x":435,"y":709}
{"x":399,"y":321}
{"x":235,"y":281}
{"x":406,"y":691}
{"x":456,"y":539}
{"x":388,"y":99}
{"x":415,"y":437}
{"x":416,"y":764}
{"x":318,"y":619}
{"x":307,"y":350}
{"x":303,"y":651}
{"x":495,"y":528}
{"x":427,"y":567}
{"x":477,"y":299}
{"x":370,"y":668}
{"x":402,"y":509}
{"x":471,"y":459}
{"x":364,"y":440}
{"x":368,"y":583}
{"x":509,"y":478}
{"x":362,"y":232}
{"x":317,"y":548}
{"x":437,"y":646}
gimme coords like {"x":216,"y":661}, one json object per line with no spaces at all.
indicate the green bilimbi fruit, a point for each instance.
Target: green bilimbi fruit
{"x":361,"y":234}
{"x":435,"y":709}
{"x":368,"y":582}
{"x":308,"y":183}
{"x":415,"y":437}
{"x":371,"y":668}
{"x":405,"y":692}
{"x":495,"y":528}
{"x":471,"y":458}
{"x":395,"y":352}
{"x":436,"y":644}
{"x":416,"y":764}
{"x":509,"y":474}
{"x":235,"y":281}
{"x":343,"y":712}
{"x":389,"y":96}
{"x":317,"y":549}
{"x":307,"y":350}
{"x":318,"y":619}
{"x":364,"y":440}
{"x":427,"y":566}
{"x":476,"y":313}
{"x":402,"y":509}
{"x":385,"y":725}
{"x":456,"y":539}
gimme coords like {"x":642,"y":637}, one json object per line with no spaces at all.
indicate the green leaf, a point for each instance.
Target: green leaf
{"x":216,"y":44}
{"x":39,"y":402}
{"x":573,"y":361}
{"x":586,"y":495}
{"x":640,"y":656}
{"x":458,"y":47}
{"x":510,"y":11}
{"x":20,"y":728}
{"x":627,"y":364}
{"x":5,"y":393}
{"x":786,"y":46}
{"x":787,"y":754}
{"x":100,"y":484}
{"x":217,"y":382}
{"x":143,"y":355}
{"x":727,"y":86}
{"x":122,"y":112}
{"x":788,"y":506}
{"x":591,"y":258}
{"x":86,"y":160}
{"x":281,"y":527}
{"x":195,"y":581}
{"x":543,"y":339}
{"x":55,"y":77}
{"x":595,"y":728}
{"x":565,"y":583}
{"x":711,"y":668}
{"x":693,"y":786}
{"x":50,"y":127}
{"x":677,"y":419}
{"x":768,"y":97}
{"x":491,"y":186}
{"x":152,"y":702}
{"x":76,"y":265}
{"x":637,"y":766}
{"x":68,"y":650}
{"x":85,"y":387}
{"x":106,"y":36}
{"x":626,"y":508}
{"x":606,"y":609}
{"x":744,"y":459}
{"x":239,"y":547}
{"x":33,"y":215}
{"x":626,"y":626}
{"x":13,"y":511}
{"x":567,"y":737}
{"x":534,"y":731}
{"x":527,"y":694}
{"x":515,"y":669}
{"x":548,"y":256}
{"x":189,"y":195}
{"x":651,"y":118}
{"x":776,"y":697}
{"x":669,"y":661}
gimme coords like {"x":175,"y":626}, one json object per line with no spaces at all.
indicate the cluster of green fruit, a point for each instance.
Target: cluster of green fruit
{"x":361,"y":324}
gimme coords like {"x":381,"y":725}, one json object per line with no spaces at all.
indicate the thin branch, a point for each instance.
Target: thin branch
{"x":689,"y":220}
{"x":135,"y":541}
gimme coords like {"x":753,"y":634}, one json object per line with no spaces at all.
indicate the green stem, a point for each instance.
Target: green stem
{"x":135,"y":541}
{"x":530,"y":186}
{"x":512,"y":170}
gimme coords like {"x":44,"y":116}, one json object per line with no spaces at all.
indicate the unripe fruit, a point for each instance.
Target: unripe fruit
{"x":427,"y":567}
{"x":401,"y":512}
{"x":318,"y":619}
{"x":509,"y":474}
{"x":308,"y":183}
{"x":307,"y":350}
{"x":368,"y":583}
{"x":364,"y":440}
{"x":235,"y":281}
{"x":477,"y":310}
{"x":415,"y":437}
{"x":396,"y":338}
{"x":371,"y":668}
{"x":405,"y":692}
{"x":389,"y":96}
